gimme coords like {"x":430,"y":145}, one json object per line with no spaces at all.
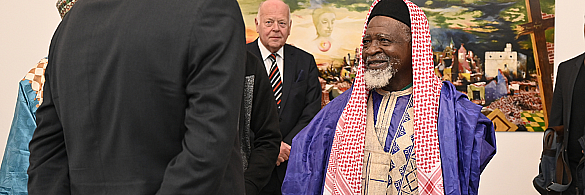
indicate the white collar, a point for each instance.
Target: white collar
{"x":265,"y":53}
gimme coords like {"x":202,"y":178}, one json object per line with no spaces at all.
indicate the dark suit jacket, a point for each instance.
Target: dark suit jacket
{"x":560,"y":111}
{"x":562,"y":103}
{"x":142,"y":97}
{"x":301,"y":93}
{"x":260,"y":132}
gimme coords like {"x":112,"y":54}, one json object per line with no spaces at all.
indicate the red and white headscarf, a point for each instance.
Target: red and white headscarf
{"x":344,"y":169}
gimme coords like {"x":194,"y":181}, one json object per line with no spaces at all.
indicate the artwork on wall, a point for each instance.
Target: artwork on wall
{"x":498,"y":52}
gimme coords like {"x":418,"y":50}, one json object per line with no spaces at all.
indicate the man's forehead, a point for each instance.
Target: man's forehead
{"x":274,"y":17}
{"x":274,"y":14}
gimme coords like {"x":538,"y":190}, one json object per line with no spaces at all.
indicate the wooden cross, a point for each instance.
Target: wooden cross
{"x":544,"y":69}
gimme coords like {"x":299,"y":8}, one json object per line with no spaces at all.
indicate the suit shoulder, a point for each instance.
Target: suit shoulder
{"x":251,"y":45}
{"x":253,"y":64}
{"x":572,"y":60}
{"x":299,"y":50}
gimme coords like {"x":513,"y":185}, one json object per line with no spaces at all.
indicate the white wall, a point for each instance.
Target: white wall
{"x":516,"y":163}
{"x":569,"y":38}
{"x":26,"y":28}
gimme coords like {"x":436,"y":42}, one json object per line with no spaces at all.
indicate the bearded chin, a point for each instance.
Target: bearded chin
{"x":379,"y":78}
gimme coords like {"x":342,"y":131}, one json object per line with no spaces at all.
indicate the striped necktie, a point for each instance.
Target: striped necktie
{"x":275,"y":80}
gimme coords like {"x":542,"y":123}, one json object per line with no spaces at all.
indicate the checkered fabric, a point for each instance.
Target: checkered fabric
{"x":426,"y":94}
{"x":36,"y":77}
{"x":64,"y":6}
{"x":347,"y":151}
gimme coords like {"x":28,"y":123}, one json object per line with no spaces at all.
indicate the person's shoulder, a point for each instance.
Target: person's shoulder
{"x":251,"y":58}
{"x":253,"y":64}
{"x":450,"y":93}
{"x":299,"y":51}
{"x":579,"y":57}
{"x":323,"y":122}
{"x":448,"y":90}
{"x":252,"y":44}
{"x":339,"y":101}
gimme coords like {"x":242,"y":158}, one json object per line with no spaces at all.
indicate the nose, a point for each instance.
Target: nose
{"x":275,"y":28}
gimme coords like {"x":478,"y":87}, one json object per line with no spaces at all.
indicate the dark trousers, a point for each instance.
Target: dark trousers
{"x":273,"y":186}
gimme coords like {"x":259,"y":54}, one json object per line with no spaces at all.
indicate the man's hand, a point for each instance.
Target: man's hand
{"x":284,"y":153}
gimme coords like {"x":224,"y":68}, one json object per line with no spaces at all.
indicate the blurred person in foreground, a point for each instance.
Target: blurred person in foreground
{"x":293,"y":76}
{"x":142,"y":97}
{"x":260,"y":135}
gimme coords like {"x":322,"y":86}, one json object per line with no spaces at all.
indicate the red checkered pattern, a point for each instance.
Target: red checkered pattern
{"x":36,"y":78}
{"x":344,"y":169}
{"x":345,"y":161}
{"x":426,"y":94}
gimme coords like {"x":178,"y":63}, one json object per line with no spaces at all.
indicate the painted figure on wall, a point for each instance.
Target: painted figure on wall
{"x":323,"y":19}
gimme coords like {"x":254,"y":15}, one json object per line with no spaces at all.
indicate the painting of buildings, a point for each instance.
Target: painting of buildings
{"x":498,"y":52}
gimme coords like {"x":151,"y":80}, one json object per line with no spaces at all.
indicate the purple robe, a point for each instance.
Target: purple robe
{"x":466,"y":138}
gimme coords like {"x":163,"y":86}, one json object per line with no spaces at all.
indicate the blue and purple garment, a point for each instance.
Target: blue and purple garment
{"x":466,"y":139}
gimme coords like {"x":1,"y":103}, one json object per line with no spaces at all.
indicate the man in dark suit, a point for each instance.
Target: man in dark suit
{"x":142,"y":97}
{"x":567,"y":110}
{"x":259,"y":127}
{"x":294,"y":78}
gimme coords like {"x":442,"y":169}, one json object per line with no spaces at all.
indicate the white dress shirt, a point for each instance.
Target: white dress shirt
{"x":268,"y":63}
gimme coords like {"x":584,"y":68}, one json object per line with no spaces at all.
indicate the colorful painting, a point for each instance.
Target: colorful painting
{"x":484,"y":47}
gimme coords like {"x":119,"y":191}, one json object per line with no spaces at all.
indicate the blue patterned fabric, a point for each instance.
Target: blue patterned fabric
{"x":401,"y":104}
{"x":467,"y":144}
{"x":13,"y":176}
{"x":385,"y":170}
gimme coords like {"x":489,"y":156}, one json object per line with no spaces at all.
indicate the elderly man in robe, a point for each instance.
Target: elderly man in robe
{"x":399,"y":129}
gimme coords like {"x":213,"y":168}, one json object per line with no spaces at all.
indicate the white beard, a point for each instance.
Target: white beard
{"x":378,"y":78}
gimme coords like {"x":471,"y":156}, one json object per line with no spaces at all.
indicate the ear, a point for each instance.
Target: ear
{"x":289,"y":26}
{"x":256,"y":22}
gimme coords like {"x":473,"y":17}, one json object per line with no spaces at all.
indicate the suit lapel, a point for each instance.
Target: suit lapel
{"x":289,"y":74}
